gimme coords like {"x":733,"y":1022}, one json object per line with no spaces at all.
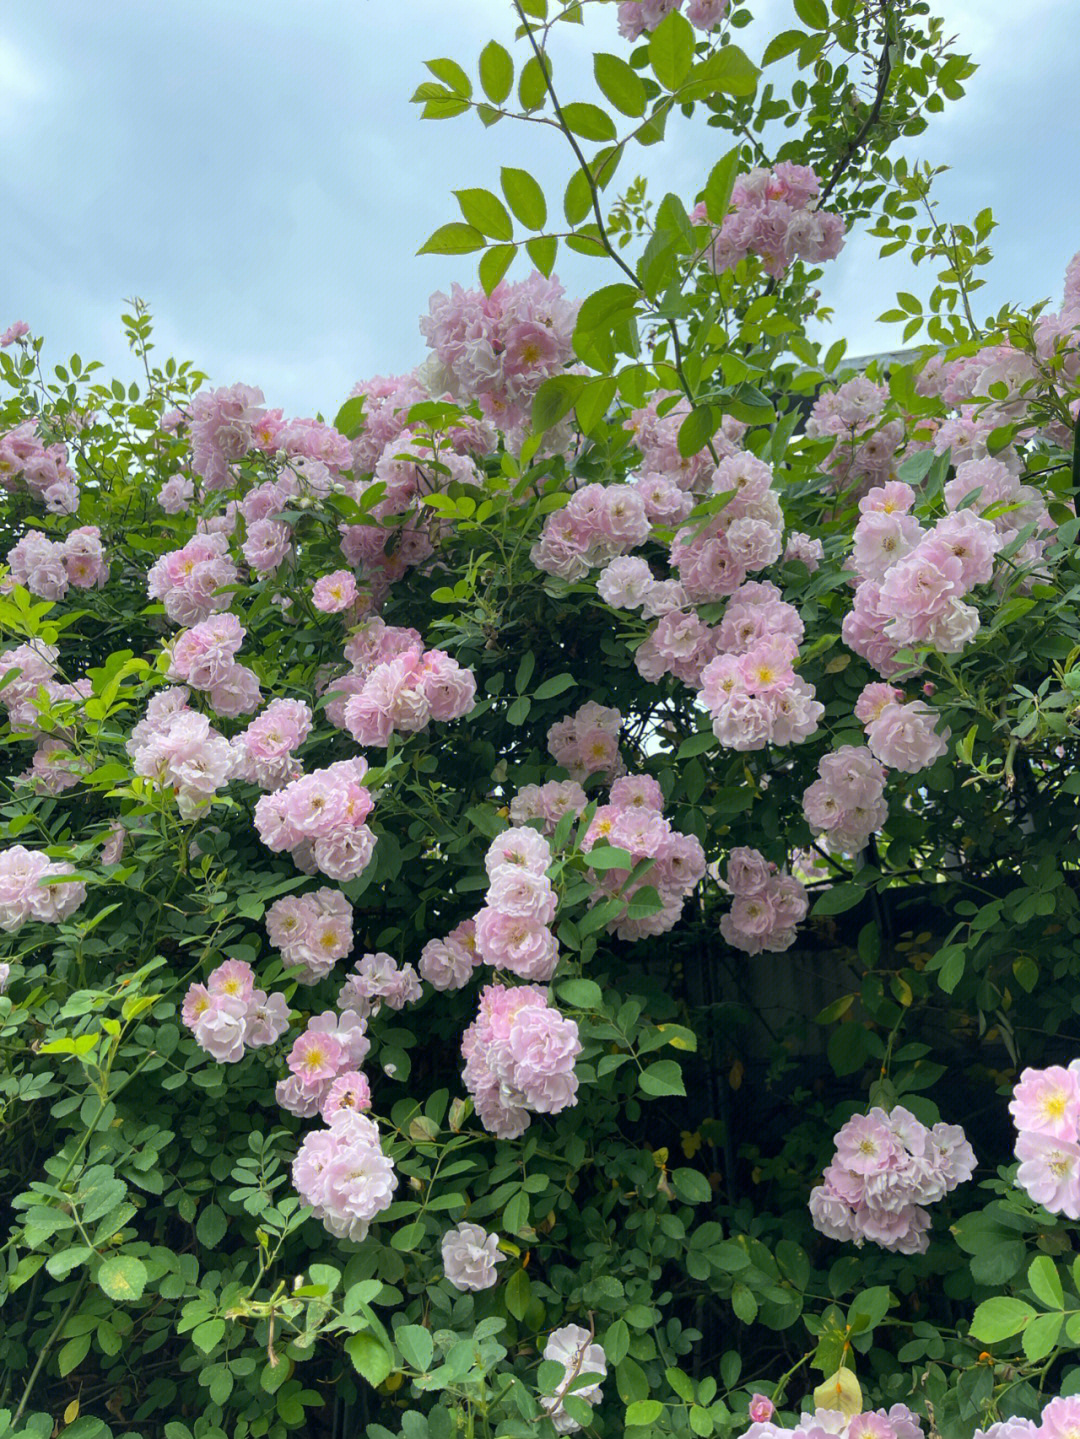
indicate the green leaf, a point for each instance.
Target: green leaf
{"x":122,"y":1277}
{"x":697,"y":744}
{"x":838,"y":898}
{"x":208,"y":1336}
{"x":542,"y":252}
{"x":516,"y":1213}
{"x":620,"y":84}
{"x":349,"y":420}
{"x":451,"y":73}
{"x":369,"y":1357}
{"x":532,"y":86}
{"x":1041,"y":1335}
{"x":663,"y":1078}
{"x":581,"y":993}
{"x":494,"y":264}
{"x":555,"y":686}
{"x":453,"y":239}
{"x":211,"y":1226}
{"x":696,"y":430}
{"x":782,"y":45}
{"x":719,"y":185}
{"x":72,"y":1354}
{"x":485,"y":212}
{"x":524,"y":672}
{"x":1000,"y":1318}
{"x":589,"y":121}
{"x":594,"y":401}
{"x":554,"y":399}
{"x":518,"y":712}
{"x":814,"y":13}
{"x":1045,"y":1282}
{"x":408,"y":1236}
{"x":617,"y":1341}
{"x":62,"y":1263}
{"x":609,"y":856}
{"x":644,"y":1411}
{"x":577,"y":199}
{"x":518,"y":1293}
{"x":416,"y":1345}
{"x":671,"y":50}
{"x":524,"y":196}
{"x":727,"y":71}
{"x":496,"y":72}
{"x":692,"y":1186}
{"x":631,"y":1381}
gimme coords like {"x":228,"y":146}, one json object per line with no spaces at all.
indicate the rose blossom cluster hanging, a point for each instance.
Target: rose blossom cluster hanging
{"x":228,"y":1016}
{"x":1046,"y":1111}
{"x":319,"y":818}
{"x":519,"y":1059}
{"x":312,"y":930}
{"x":767,"y":904}
{"x":887,"y":1166}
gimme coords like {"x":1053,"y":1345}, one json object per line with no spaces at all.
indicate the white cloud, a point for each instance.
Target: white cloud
{"x":23,"y":85}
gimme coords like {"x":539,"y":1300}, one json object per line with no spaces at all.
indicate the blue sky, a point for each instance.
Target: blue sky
{"x":255,"y":172}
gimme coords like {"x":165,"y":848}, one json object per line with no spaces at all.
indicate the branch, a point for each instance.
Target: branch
{"x":884,"y":73}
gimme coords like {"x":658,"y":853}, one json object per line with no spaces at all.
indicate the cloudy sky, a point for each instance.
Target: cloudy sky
{"x":253,"y":169}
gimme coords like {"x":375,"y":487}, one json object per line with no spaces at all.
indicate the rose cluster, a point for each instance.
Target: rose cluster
{"x":42,"y":468}
{"x":27,"y":670}
{"x":846,"y":803}
{"x":343,"y":1174}
{"x":902,"y":736}
{"x":499,"y":348}
{"x":513,"y":929}
{"x":403,"y":694}
{"x":228,"y":1016}
{"x":713,"y":557}
{"x":864,"y":446}
{"x":449,"y":963}
{"x":204,"y":657}
{"x":911,"y":583}
{"x":324,"y":1065}
{"x":1060,"y":1419}
{"x":767,"y":904}
{"x":264,"y":753}
{"x":320,"y":818}
{"x":581,"y":1358}
{"x":547,"y":802}
{"x":774,"y":216}
{"x":378,"y":979}
{"x":1046,"y":1111}
{"x":187,"y":581}
{"x":887,"y":1166}
{"x":639,"y":17}
{"x":899,"y":1422}
{"x":633,"y":821}
{"x":598,"y":523}
{"x":32,"y":886}
{"x":756,"y":698}
{"x":587,"y":742}
{"x":312,"y":930}
{"x":682,"y":644}
{"x":519,"y":1059}
{"x":47,"y":567}
{"x":179,"y":749}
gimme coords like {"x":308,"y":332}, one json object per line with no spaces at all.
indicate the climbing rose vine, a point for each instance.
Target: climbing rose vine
{"x":548,"y":901}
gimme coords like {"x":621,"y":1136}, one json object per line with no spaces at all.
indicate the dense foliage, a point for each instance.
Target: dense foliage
{"x":525,"y":906}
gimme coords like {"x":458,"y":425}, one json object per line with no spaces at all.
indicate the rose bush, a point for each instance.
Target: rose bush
{"x":404,"y":817}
